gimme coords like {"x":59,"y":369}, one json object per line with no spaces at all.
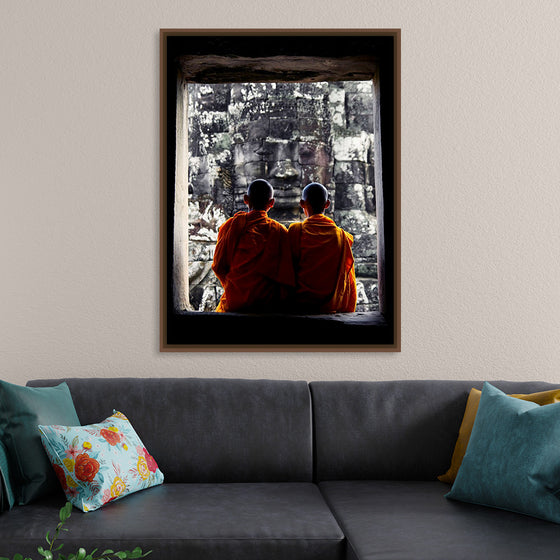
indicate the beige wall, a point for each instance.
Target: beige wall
{"x":79,"y":225}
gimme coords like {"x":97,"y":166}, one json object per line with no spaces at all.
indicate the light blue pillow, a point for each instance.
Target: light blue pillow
{"x":99,"y":463}
{"x":512,"y":461}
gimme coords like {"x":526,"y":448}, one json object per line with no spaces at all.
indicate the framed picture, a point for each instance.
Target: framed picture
{"x":292,"y":107}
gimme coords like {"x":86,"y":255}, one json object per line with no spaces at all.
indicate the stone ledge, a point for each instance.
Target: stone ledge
{"x":275,"y":330}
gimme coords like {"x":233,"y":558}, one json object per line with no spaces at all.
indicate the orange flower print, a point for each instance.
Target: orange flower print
{"x":61,"y":475}
{"x":111,"y":436}
{"x":85,"y":467}
{"x":117,"y":488}
{"x":152,"y":465}
{"x":142,"y":467}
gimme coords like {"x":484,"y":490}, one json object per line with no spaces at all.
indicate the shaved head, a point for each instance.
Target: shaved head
{"x":260,"y":193}
{"x":317,"y":196}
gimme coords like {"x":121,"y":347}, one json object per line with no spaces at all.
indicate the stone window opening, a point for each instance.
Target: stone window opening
{"x":291,"y":134}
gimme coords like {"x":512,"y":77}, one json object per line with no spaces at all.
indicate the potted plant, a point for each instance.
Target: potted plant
{"x":53,"y":553}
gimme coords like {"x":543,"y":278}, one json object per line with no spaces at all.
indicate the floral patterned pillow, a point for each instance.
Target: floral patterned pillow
{"x":100,"y":462}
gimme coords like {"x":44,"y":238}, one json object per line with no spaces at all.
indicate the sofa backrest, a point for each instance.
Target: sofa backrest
{"x":391,"y":430}
{"x":208,"y":430}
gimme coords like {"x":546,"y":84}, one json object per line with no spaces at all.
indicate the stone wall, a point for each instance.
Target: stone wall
{"x":290,"y":134}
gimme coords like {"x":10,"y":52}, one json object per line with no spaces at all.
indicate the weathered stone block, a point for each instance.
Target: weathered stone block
{"x":354,"y":221}
{"x":350,"y":196}
{"x":314,"y":89}
{"x":219,"y":144}
{"x":255,"y":170}
{"x":358,"y":86}
{"x":316,"y":173}
{"x":213,"y":121}
{"x":311,"y":153}
{"x":213,"y":98}
{"x":313,"y":128}
{"x":350,"y":172}
{"x":370,"y":198}
{"x":359,"y":122}
{"x":337,"y":95}
{"x":310,"y":107}
{"x":349,"y":148}
{"x":368,"y":295}
{"x":359,"y":103}
{"x":365,"y":247}
{"x":366,"y":269}
{"x":279,"y":107}
{"x":248,"y":152}
{"x":258,"y":129}
{"x":201,"y":184}
{"x":283,"y":128}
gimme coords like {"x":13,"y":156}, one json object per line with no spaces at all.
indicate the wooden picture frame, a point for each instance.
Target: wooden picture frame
{"x":206,"y":55}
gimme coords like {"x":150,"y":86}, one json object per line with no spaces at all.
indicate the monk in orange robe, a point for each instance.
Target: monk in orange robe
{"x":323,"y":260}
{"x":253,"y":259}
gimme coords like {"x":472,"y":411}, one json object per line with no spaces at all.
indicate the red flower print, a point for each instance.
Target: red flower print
{"x":112,"y":437}
{"x":61,"y":475}
{"x":152,"y":465}
{"x":86,"y":467}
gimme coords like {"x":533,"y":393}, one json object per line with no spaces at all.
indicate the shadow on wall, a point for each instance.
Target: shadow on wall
{"x":291,"y":134}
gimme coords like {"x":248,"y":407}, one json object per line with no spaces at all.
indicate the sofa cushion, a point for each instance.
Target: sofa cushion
{"x":411,"y":520}
{"x":7,"y":499}
{"x":209,"y":430}
{"x":21,"y":410}
{"x":193,"y":521}
{"x":541,"y":398}
{"x":399,"y":430}
{"x":99,"y":463}
{"x":513,"y":457}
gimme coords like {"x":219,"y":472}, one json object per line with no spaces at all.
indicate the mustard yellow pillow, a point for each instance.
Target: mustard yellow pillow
{"x":541,"y":398}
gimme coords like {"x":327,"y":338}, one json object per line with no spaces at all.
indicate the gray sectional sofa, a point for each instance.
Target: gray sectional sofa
{"x":267,"y":470}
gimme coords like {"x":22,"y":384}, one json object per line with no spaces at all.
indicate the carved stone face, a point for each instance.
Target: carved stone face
{"x":288,"y":165}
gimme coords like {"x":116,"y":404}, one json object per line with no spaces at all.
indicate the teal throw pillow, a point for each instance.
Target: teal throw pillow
{"x":100,"y":463}
{"x":512,"y":460}
{"x":6,"y":488}
{"x":21,"y":410}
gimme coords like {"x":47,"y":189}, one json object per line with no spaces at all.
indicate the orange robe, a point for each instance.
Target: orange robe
{"x":253,"y":262}
{"x":324,"y":266}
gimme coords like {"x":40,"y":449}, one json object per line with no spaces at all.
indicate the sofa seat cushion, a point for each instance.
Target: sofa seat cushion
{"x":390,"y":520}
{"x":245,"y":521}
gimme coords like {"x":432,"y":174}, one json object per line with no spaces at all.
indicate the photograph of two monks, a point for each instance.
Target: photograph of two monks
{"x":264,"y":267}
{"x":280,"y":160}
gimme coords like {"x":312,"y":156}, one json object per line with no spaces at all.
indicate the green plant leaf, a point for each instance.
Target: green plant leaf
{"x":18,"y":556}
{"x":4,"y":558}
{"x":121,"y":555}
